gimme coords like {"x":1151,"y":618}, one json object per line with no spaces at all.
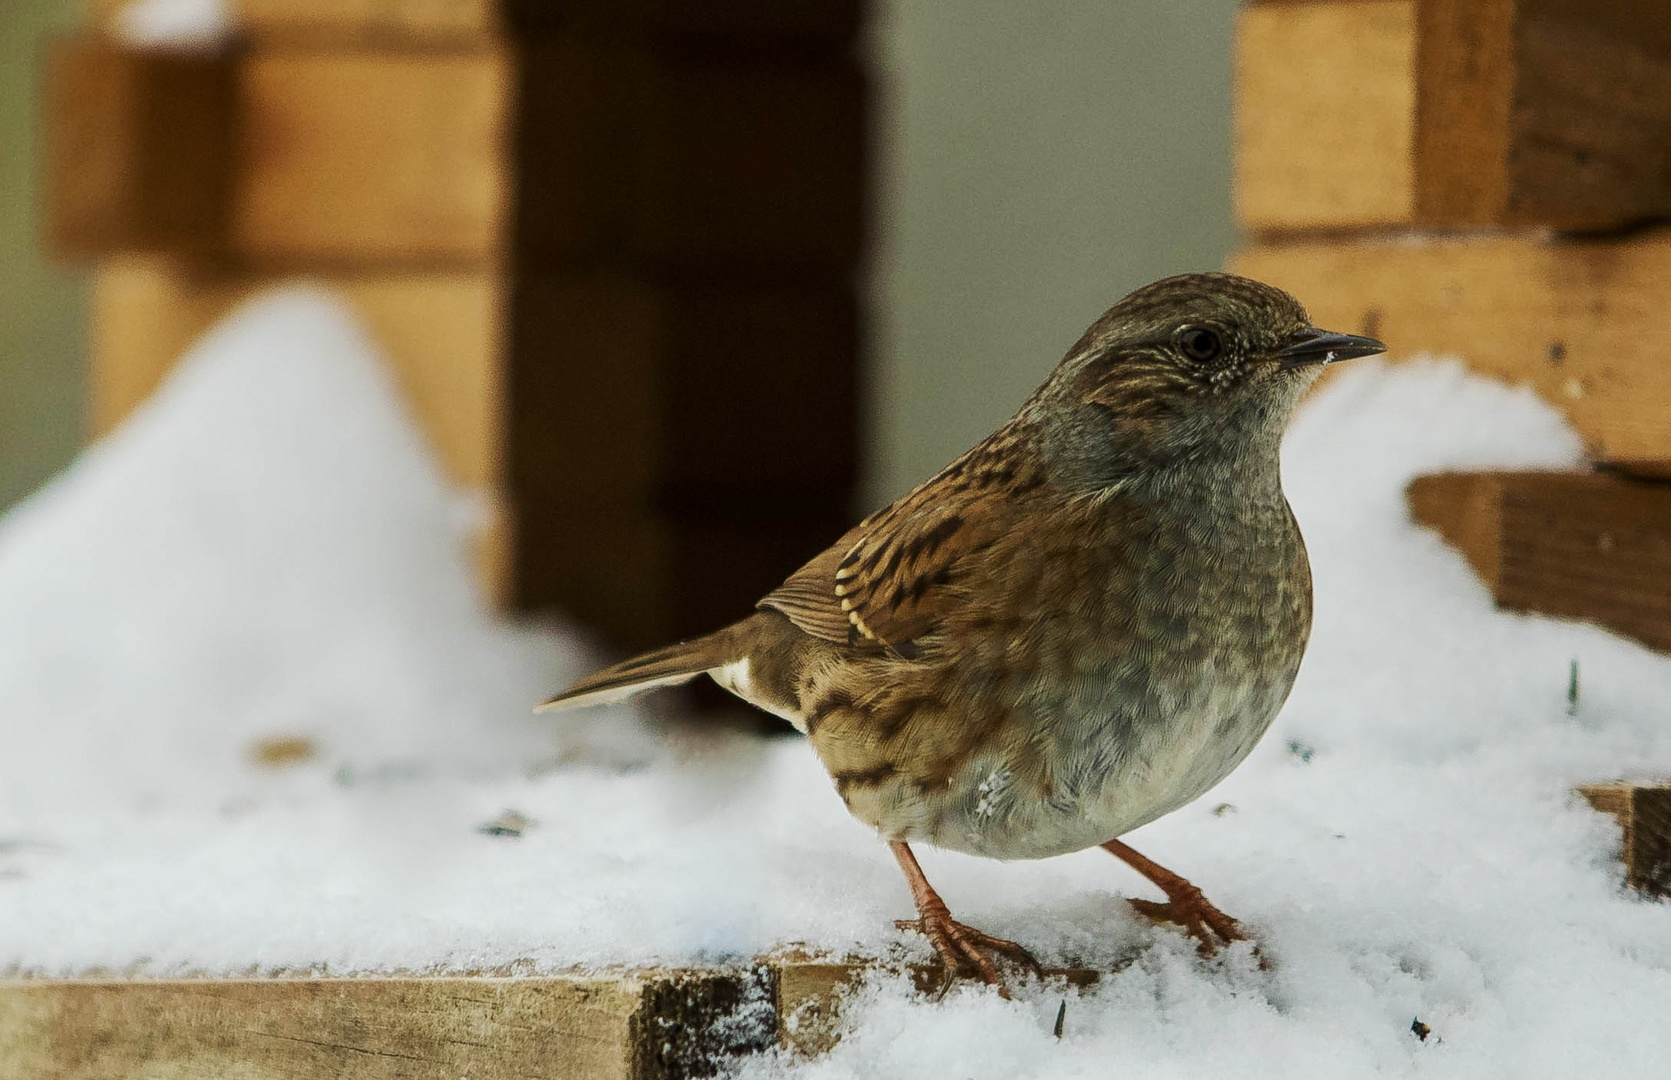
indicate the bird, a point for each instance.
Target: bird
{"x":1080,"y":625}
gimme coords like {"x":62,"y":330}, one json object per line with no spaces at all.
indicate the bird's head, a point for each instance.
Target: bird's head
{"x":1194,"y":365}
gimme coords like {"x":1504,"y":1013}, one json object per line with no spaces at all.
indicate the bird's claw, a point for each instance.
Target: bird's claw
{"x":1210,"y":927}
{"x":963,"y":951}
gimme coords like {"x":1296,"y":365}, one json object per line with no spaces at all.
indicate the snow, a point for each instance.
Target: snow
{"x":175,"y":23}
{"x":266,"y":552}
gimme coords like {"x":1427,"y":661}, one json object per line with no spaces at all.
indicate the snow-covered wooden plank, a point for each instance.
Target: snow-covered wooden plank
{"x":1446,"y":113}
{"x":1580,"y":319}
{"x":1575,"y":545}
{"x":811,"y":994}
{"x":644,"y":1025}
{"x":1643,"y":812}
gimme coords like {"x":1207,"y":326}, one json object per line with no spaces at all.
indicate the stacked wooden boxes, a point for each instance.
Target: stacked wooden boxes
{"x":1485,"y":179}
{"x":1482,"y":179}
{"x":609,"y":247}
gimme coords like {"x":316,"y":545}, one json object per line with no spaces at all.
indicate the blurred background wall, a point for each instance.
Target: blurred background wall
{"x":1038,"y":160}
{"x":42,"y":307}
{"x":1035,"y":161}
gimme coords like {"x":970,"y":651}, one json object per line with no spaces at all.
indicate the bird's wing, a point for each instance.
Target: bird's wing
{"x":894,"y":576}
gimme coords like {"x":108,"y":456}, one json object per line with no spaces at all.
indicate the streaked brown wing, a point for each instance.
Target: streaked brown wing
{"x":894,"y":576}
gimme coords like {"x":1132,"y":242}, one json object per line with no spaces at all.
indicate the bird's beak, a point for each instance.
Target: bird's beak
{"x":1314,"y":346}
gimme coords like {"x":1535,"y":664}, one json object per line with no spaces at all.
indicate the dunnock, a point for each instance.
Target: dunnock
{"x":1082,"y":624}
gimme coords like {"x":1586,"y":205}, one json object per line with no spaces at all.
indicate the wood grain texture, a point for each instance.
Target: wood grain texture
{"x":1489,"y":112}
{"x":136,"y":149}
{"x":1579,"y":320}
{"x":1643,"y":812}
{"x":636,"y":1026}
{"x":1573,"y":545}
{"x":1317,"y":147}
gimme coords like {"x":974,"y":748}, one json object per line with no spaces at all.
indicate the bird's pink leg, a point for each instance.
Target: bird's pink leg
{"x":962,"y":948}
{"x":1184,"y":905}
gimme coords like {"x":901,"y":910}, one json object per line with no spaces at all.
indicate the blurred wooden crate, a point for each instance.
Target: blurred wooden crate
{"x":801,"y":24}
{"x":329,"y":157}
{"x":611,"y":258}
{"x":1354,"y":114}
{"x":1422,"y":171}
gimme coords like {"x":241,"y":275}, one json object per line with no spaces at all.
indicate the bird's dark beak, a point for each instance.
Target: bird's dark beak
{"x":1314,"y":346}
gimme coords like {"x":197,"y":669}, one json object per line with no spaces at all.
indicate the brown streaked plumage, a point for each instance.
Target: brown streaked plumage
{"x":1078,"y":626}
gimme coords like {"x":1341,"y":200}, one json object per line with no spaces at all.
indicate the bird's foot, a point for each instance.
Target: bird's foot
{"x":963,"y":950}
{"x":1188,"y":908}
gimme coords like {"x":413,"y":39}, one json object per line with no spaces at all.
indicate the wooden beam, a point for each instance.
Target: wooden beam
{"x":645,"y":1024}
{"x":331,"y":20}
{"x":1360,"y":114}
{"x":1321,"y":143}
{"x":623,"y":388}
{"x":136,"y":148}
{"x":1643,"y":812}
{"x":688,"y":163}
{"x":1573,"y":545}
{"x":811,"y":994}
{"x":382,"y":157}
{"x":636,"y":1026}
{"x":1580,"y":320}
{"x":669,"y":160}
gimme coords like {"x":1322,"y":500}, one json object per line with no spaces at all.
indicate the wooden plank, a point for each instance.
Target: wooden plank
{"x":1317,"y":147}
{"x":280,"y":158}
{"x":333,"y":20}
{"x":687,"y":162}
{"x":1573,"y":545}
{"x":645,"y":1024}
{"x":622,"y":388}
{"x":369,"y":157}
{"x":636,"y":1026}
{"x":1643,"y":812}
{"x":669,"y":459}
{"x":136,"y":146}
{"x":1579,"y":319}
{"x":441,"y":330}
{"x":1455,"y":113}
{"x":676,"y":161}
{"x":812,"y":992}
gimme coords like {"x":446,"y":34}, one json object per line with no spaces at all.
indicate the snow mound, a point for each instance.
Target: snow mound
{"x":263,"y":551}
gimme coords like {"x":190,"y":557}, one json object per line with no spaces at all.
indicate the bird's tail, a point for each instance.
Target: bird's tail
{"x":667,"y":666}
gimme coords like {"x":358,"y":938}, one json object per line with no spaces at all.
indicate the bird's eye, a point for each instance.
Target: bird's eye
{"x":1200,"y":344}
